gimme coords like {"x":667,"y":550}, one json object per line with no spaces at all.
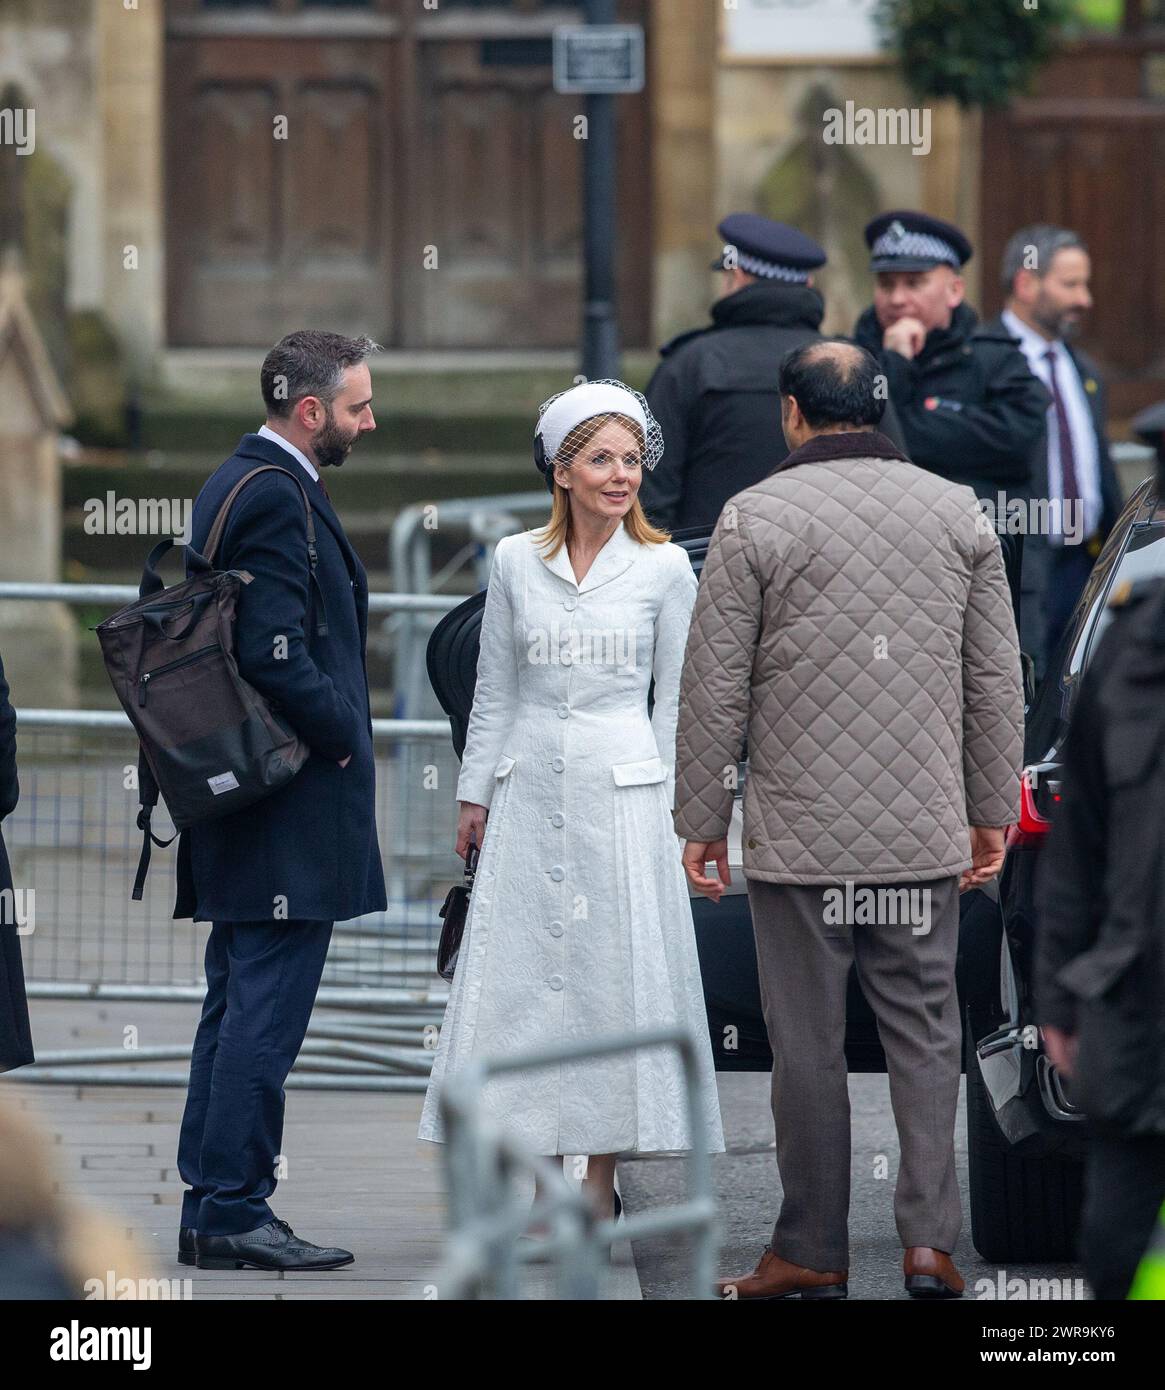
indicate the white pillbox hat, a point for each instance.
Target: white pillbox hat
{"x":561,"y":413}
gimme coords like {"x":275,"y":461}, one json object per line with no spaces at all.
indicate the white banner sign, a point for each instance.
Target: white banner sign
{"x":800,"y":29}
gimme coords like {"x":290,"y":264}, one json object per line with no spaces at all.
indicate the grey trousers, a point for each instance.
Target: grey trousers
{"x":804,"y":947}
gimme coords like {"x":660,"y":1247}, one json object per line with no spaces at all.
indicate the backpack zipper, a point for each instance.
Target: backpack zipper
{"x":147,"y":676}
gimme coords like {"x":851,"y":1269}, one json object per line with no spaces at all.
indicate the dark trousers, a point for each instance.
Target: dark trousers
{"x":1124,"y":1186}
{"x":261,"y":982}
{"x":1068,"y":569}
{"x":803,"y":958}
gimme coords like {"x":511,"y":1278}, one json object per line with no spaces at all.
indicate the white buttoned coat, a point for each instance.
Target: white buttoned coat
{"x":579,"y":925}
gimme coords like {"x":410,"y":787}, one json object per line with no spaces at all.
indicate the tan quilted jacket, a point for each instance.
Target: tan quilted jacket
{"x":853,"y":620}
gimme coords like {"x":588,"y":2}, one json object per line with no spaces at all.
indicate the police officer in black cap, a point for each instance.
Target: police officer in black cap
{"x":968,"y":405}
{"x":715,"y":392}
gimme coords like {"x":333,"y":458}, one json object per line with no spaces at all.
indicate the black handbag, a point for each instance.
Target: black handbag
{"x":453,"y":913}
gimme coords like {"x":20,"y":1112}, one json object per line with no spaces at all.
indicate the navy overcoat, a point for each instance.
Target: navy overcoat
{"x":309,"y":850}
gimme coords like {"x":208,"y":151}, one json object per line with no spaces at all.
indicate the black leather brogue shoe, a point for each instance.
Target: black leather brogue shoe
{"x":273,"y":1246}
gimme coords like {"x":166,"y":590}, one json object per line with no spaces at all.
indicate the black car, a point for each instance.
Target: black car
{"x":1023,"y":1136}
{"x":1026,"y":1136}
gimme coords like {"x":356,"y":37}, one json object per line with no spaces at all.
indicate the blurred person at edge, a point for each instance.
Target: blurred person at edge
{"x":52,"y":1246}
{"x":968,"y":406}
{"x":1046,"y":272}
{"x":1100,"y":930}
{"x":15,"y":1033}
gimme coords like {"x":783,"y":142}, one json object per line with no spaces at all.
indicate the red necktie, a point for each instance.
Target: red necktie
{"x":1069,"y":487}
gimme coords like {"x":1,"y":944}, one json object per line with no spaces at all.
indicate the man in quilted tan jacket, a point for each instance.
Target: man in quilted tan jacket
{"x":853,"y":623}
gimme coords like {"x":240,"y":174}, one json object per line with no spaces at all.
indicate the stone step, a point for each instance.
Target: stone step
{"x":467,"y":401}
{"x":370,"y":494}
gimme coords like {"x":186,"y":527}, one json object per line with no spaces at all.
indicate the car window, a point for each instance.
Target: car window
{"x":1144,"y":558}
{"x":1135,"y":550}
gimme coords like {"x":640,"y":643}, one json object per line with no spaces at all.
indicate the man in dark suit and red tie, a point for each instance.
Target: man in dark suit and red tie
{"x":1046,"y":273}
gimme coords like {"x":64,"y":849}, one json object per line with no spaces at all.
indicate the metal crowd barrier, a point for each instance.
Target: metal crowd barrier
{"x":73,"y":842}
{"x":487,"y":1212}
{"x":482,"y":522}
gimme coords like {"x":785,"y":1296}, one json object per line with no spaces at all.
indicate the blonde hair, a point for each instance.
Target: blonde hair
{"x":559,"y":529}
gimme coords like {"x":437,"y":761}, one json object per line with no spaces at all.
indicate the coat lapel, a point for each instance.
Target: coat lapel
{"x":264,"y":451}
{"x":256,"y":447}
{"x":617,"y":555}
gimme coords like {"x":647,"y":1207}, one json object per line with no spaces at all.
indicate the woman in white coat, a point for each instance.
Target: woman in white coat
{"x":579,"y":924}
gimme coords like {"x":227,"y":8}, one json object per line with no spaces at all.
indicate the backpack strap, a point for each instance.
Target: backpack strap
{"x":148,"y":796}
{"x":220,"y":522}
{"x":152,"y":582}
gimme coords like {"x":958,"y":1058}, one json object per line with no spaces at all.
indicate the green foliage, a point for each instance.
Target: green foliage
{"x":981,"y":52}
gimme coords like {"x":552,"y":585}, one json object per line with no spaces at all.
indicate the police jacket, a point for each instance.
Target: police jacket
{"x":1100,"y":890}
{"x":968,"y":405}
{"x":715,"y":397}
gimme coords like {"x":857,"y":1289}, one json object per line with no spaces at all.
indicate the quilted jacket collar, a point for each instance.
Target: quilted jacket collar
{"x":618,"y":552}
{"x":848,"y":444}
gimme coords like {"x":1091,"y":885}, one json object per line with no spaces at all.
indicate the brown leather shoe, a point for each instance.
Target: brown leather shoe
{"x":931,"y":1273}
{"x":776,"y":1278}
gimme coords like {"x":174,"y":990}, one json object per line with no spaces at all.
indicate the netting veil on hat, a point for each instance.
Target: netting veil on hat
{"x":568,"y":409}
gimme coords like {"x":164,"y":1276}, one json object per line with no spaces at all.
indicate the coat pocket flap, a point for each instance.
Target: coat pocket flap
{"x":635,"y":774}
{"x":1095,"y":972}
{"x":505,"y":763}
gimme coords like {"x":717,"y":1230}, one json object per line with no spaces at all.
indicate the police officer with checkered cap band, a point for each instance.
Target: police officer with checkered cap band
{"x":968,"y":405}
{"x":715,"y":391}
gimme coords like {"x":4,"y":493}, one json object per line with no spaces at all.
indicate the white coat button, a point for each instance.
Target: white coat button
{"x":564,"y":711}
{"x":555,"y":982}
{"x":555,"y":929}
{"x":558,"y":764}
{"x":558,"y":818}
{"x":558,"y":873}
{"x":570,"y":604}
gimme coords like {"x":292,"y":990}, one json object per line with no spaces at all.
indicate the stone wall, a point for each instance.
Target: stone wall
{"x":47,"y":51}
{"x":748,"y":136}
{"x":771,"y":157}
{"x":92,"y":73}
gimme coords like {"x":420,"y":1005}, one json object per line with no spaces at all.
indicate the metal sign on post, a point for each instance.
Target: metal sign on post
{"x":598,"y":59}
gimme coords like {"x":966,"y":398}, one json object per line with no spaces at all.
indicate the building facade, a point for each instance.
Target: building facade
{"x":208,"y":174}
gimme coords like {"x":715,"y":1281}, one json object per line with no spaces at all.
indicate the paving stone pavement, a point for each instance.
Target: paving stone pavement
{"x":358,"y":1177}
{"x":356,"y":1174}
{"x":748,"y":1190}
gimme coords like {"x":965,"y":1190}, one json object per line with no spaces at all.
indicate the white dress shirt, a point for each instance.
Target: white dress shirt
{"x":291,"y":449}
{"x":1086,"y":455}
